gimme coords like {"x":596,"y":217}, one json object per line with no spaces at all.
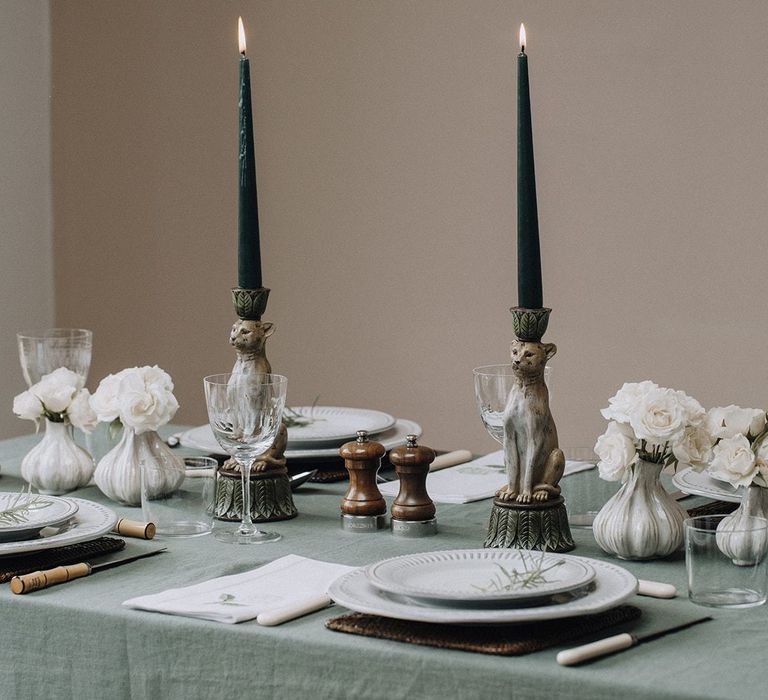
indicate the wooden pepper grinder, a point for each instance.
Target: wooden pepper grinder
{"x":413,"y":513}
{"x":363,"y":508}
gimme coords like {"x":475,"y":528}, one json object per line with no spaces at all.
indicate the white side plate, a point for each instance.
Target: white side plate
{"x":91,"y":521}
{"x":333,"y":425}
{"x":612,"y":586}
{"x":480,"y":575}
{"x":43,"y":511}
{"x":701,"y":484}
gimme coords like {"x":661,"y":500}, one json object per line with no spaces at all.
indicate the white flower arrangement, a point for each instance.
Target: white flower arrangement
{"x":739,"y":454}
{"x":140,"y":398}
{"x":650,"y":423}
{"x":60,"y":397}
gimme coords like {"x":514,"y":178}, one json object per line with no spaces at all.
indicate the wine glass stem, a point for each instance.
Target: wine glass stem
{"x":246,"y":524}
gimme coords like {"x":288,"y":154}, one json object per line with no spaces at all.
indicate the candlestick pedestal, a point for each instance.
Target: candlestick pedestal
{"x":271,"y":497}
{"x":540,"y":526}
{"x":528,"y":511}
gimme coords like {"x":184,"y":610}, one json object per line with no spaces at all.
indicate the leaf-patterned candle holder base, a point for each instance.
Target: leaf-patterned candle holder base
{"x":271,"y":497}
{"x":250,"y":304}
{"x":530,"y":324}
{"x":539,"y":526}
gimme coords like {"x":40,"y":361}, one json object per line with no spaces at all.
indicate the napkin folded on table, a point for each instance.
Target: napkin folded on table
{"x":241,"y":597}
{"x":472,"y":481}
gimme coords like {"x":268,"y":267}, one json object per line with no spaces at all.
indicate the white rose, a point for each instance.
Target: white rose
{"x":616,"y":451}
{"x":27,"y":406}
{"x":80,"y":413}
{"x":143,"y":410}
{"x":733,"y":461}
{"x":694,"y":411}
{"x":63,"y":377}
{"x":728,"y":421}
{"x":626,"y":399}
{"x":695,"y":448}
{"x":658,"y":417}
{"x":141,"y":397}
{"x":57,"y":389}
{"x":146,"y":400}
{"x":156,"y":379}
{"x":104,"y":400}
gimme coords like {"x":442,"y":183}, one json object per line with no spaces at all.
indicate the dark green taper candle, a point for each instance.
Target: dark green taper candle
{"x":529,"y":294}
{"x":248,"y":246}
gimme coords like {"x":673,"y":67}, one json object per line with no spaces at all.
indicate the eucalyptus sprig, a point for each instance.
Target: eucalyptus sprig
{"x":531,"y":576}
{"x":18,"y":510}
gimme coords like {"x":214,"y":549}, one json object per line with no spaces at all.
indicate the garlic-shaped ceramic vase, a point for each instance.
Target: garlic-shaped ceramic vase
{"x":741,"y":536}
{"x":57,"y":464}
{"x":641,"y":521}
{"x":118,"y":473}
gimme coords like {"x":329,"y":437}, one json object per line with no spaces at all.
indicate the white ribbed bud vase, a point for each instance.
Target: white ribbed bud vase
{"x":641,"y":521}
{"x":57,"y":464}
{"x":739,"y":536}
{"x":118,"y":473}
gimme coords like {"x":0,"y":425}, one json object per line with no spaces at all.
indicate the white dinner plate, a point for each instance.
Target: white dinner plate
{"x":28,"y":513}
{"x":612,"y":584}
{"x":702,"y":484}
{"x":201,"y":438}
{"x":91,"y":521}
{"x":480,"y":575}
{"x":333,"y":425}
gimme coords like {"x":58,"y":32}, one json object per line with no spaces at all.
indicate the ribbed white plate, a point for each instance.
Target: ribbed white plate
{"x":701,"y":484}
{"x":479,"y":575}
{"x":201,"y":438}
{"x":45,"y":512}
{"x":612,"y":586}
{"x":91,"y":521}
{"x":333,"y":425}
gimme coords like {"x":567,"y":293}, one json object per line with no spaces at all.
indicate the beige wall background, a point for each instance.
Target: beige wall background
{"x":26,"y":252}
{"x":385,"y":141}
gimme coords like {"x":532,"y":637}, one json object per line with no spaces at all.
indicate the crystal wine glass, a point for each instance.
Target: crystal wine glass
{"x":492,"y":386}
{"x":41,"y":353}
{"x":245,"y":411}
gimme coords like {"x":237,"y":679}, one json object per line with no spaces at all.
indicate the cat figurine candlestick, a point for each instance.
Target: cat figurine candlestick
{"x":271,"y":497}
{"x":528,"y":511}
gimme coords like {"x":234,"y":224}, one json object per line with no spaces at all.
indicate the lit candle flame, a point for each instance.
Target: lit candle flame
{"x":241,"y":35}
{"x":522,"y":37}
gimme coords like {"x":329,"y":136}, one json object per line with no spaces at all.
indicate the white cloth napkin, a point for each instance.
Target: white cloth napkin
{"x":231,"y":599}
{"x":472,"y":481}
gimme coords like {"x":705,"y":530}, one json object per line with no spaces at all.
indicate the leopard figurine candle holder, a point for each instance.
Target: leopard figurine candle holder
{"x":270,"y":488}
{"x":528,"y":511}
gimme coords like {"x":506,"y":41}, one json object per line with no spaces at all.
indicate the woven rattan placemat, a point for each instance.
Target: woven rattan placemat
{"x":20,"y":564}
{"x":508,"y":640}
{"x":713,"y":508}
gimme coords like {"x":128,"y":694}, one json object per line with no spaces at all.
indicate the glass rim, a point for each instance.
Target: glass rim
{"x":55,"y":333}
{"x":716,"y":518}
{"x":265,"y":378}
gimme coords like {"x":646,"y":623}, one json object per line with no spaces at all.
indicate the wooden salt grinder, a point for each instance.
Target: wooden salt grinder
{"x":363,"y":508}
{"x":413,"y":513}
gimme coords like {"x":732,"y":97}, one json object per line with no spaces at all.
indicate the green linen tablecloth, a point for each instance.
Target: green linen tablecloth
{"x":77,"y":641}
